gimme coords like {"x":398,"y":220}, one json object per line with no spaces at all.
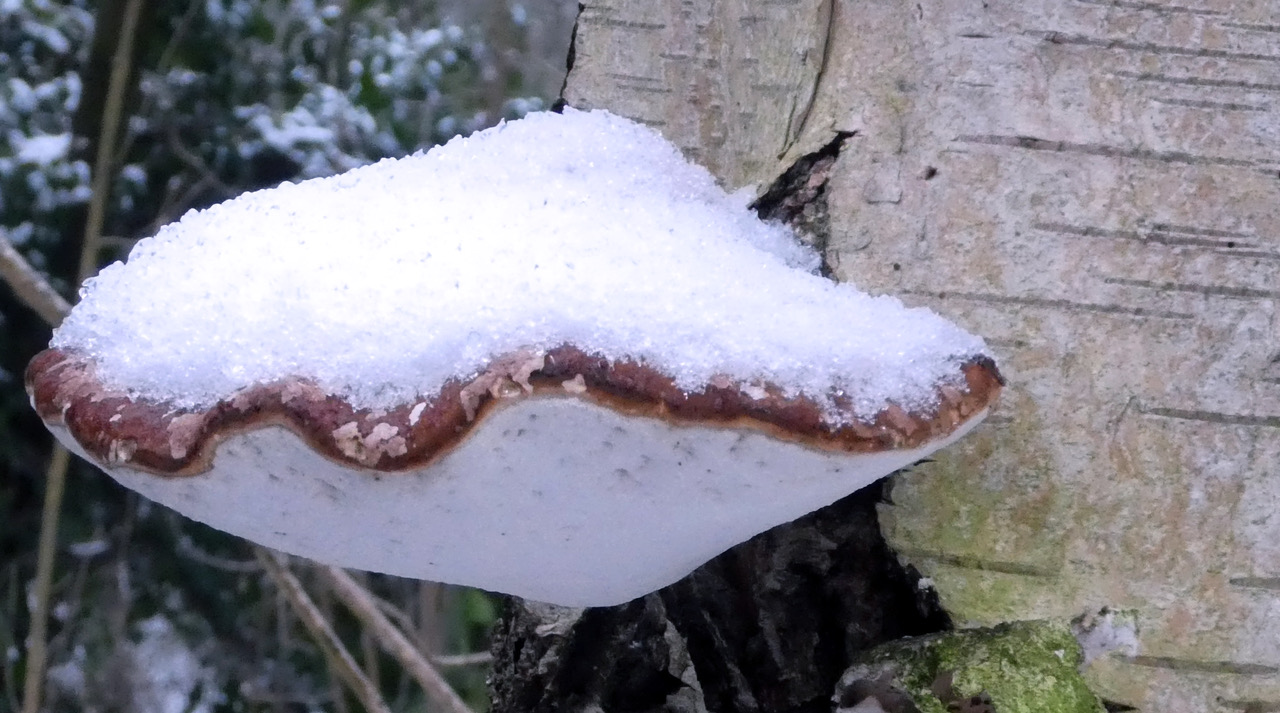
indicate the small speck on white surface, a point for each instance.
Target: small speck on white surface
{"x":383,"y":283}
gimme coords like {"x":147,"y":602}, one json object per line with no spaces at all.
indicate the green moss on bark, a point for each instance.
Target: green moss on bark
{"x":1021,"y":667}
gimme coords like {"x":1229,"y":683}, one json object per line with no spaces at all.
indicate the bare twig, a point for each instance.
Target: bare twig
{"x":188,"y":548}
{"x":368,"y":649}
{"x":476,"y":658}
{"x":432,"y":601}
{"x":29,"y":285}
{"x":393,"y":641}
{"x":37,"y":651}
{"x":177,"y":200}
{"x":103,"y":163}
{"x":56,"y":480}
{"x":334,"y":650}
{"x":175,"y":39}
{"x":326,"y":606}
{"x":10,"y":609}
{"x":162,"y":65}
{"x":401,"y":619}
{"x":118,"y":242}
{"x":52,"y":310}
{"x":194,"y":162}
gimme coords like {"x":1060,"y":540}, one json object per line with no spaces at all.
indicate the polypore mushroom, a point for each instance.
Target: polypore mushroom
{"x":553,"y":359}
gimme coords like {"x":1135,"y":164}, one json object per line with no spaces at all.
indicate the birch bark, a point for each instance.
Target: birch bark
{"x":1095,"y":186}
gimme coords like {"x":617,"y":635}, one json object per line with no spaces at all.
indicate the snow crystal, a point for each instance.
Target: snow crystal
{"x":584,"y":228}
{"x":41,"y":149}
{"x":74,"y":87}
{"x":88,"y":548}
{"x":69,"y":676}
{"x":21,"y":97}
{"x":429,"y":38}
{"x":297,"y":127}
{"x":21,"y":233}
{"x":50,"y":36}
{"x":170,"y":674}
{"x":447,"y":125}
{"x":134,"y":173}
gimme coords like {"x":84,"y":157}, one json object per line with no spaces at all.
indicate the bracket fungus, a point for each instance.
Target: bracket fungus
{"x":553,"y":359}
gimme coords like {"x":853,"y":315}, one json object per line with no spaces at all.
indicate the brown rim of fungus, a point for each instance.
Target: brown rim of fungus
{"x":149,"y":435}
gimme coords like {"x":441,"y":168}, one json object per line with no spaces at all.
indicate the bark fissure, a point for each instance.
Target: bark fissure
{"x":799,"y":196}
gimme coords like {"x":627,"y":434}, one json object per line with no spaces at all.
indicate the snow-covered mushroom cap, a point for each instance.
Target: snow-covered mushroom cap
{"x":552,"y":359}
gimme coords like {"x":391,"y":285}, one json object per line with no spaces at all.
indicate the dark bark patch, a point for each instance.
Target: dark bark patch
{"x":799,"y":197}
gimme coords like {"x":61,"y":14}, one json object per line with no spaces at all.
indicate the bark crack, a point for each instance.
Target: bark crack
{"x":800,"y":114}
{"x":798,"y":197}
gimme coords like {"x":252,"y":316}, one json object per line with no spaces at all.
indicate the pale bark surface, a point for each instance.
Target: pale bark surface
{"x":1094,"y":186}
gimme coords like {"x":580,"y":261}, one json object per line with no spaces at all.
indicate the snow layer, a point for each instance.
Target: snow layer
{"x":584,"y":228}
{"x":42,"y":149}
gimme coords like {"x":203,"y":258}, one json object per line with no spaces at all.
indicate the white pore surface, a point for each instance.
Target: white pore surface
{"x":552,"y":498}
{"x":583,"y":228}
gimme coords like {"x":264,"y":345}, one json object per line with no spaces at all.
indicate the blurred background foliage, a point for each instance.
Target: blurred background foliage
{"x":152,"y":613}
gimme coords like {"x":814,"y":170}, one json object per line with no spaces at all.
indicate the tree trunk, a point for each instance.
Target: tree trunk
{"x":1093,"y":185}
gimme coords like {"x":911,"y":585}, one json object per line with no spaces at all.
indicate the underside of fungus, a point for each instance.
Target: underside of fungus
{"x":553,"y":360}
{"x":565,"y":479}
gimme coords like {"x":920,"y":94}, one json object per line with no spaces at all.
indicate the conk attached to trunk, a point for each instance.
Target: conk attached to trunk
{"x":553,"y":359}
